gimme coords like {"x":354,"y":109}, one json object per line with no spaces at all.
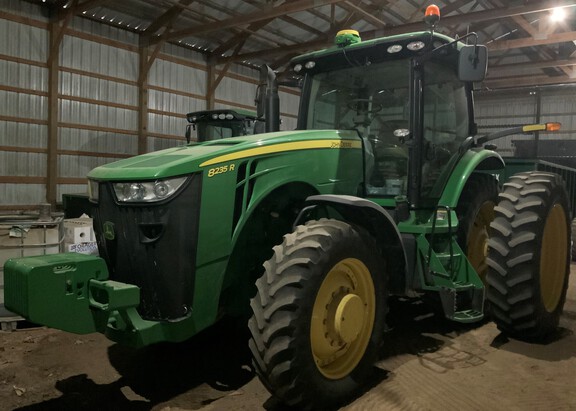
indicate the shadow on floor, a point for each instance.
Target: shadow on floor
{"x":218,"y":358}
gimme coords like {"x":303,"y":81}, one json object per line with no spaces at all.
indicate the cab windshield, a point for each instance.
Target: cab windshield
{"x":216,"y":130}
{"x":373,"y":100}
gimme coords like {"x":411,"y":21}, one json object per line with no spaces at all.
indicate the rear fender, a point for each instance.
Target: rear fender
{"x":472,"y":161}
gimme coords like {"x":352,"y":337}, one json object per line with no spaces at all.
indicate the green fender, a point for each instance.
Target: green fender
{"x":472,"y":161}
{"x":375,"y":219}
{"x":263,"y":222}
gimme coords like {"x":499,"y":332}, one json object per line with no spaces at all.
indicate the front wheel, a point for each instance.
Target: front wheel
{"x":318,"y":316}
{"x":529,"y":255}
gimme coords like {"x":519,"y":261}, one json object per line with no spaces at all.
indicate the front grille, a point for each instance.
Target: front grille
{"x":152,"y":246}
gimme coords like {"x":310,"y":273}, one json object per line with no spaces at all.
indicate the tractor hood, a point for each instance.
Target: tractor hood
{"x":193,"y":158}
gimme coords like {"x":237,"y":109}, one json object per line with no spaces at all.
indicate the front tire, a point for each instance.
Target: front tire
{"x":529,"y":255}
{"x":318,"y":316}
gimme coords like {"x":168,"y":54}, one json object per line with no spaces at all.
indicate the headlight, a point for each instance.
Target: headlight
{"x":394,"y":48}
{"x":310,"y":64}
{"x":415,"y":46}
{"x":93,"y":191}
{"x":147,"y":191}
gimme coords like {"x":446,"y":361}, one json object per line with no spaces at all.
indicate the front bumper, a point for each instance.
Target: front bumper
{"x":72,"y":292}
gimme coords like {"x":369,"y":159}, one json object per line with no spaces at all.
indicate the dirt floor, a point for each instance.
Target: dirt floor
{"x":426,"y":364}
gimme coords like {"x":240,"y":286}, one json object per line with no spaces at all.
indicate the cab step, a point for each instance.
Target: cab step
{"x":463,"y":303}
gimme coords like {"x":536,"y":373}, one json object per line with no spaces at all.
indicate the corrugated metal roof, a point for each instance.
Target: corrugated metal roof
{"x":231,"y":29}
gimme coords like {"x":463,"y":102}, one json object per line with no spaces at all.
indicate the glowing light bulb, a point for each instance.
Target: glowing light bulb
{"x":558,"y":14}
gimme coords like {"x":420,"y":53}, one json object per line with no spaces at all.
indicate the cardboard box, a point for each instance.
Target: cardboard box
{"x":78,"y":230}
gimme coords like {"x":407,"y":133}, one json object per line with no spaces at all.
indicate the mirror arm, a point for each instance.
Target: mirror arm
{"x":426,"y":56}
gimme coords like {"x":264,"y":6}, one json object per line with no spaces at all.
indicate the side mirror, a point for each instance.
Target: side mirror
{"x":472,"y":63}
{"x":189,"y":129}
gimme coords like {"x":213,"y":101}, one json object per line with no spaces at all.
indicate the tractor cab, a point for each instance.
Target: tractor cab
{"x":408,"y":97}
{"x":218,"y":124}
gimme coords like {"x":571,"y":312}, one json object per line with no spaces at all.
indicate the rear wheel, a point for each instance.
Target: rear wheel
{"x":574,"y":240}
{"x":529,"y":255}
{"x":318,"y":316}
{"x":475,"y":212}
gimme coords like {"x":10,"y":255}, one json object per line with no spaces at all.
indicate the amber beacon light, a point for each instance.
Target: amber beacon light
{"x":432,"y":15}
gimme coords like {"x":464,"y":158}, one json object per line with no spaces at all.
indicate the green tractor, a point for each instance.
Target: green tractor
{"x":383,"y":190}
{"x":218,"y":124}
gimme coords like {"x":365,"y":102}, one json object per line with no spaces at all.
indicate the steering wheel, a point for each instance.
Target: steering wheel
{"x":354,"y":104}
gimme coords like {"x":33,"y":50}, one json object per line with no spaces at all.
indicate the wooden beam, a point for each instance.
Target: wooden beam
{"x":271,"y":12}
{"x":56,"y":34}
{"x":527,"y":81}
{"x":237,"y":39}
{"x":59,"y":32}
{"x":531,"y":42}
{"x":530,"y":65}
{"x":404,"y":28}
{"x":282,"y":61}
{"x":224,"y":70}
{"x":143,"y":101}
{"x":259,"y":35}
{"x":365,"y":14}
{"x":473,"y":17}
{"x":527,"y":27}
{"x":210,"y":89}
{"x":23,"y":180}
{"x":167,"y":18}
{"x":301,"y":25}
{"x":151,"y":57}
{"x":311,"y":45}
{"x":288,"y":19}
{"x":322,"y":41}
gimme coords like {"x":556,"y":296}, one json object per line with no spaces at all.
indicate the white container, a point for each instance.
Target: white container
{"x":26,"y":238}
{"x":78,"y":230}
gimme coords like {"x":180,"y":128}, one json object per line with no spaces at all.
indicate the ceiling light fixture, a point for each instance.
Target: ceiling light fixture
{"x":558,"y":14}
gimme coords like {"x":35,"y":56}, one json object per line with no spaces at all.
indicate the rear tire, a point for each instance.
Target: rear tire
{"x":475,"y":212}
{"x":529,"y":255}
{"x":574,"y":239}
{"x":304,"y":350}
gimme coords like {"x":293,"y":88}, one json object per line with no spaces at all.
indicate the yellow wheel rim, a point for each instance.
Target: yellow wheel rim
{"x":553,"y":258}
{"x":477,"y":241}
{"x":342,"y":318}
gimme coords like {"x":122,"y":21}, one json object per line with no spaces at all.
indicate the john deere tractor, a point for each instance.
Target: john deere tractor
{"x":383,"y":190}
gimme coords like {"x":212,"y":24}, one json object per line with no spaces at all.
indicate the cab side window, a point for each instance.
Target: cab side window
{"x":445,"y":124}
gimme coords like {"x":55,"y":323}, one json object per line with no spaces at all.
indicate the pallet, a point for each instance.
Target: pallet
{"x":10,"y":323}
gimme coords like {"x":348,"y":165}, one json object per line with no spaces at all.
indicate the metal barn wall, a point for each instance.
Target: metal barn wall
{"x":23,"y":107}
{"x":497,"y":110}
{"x":97,"y":100}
